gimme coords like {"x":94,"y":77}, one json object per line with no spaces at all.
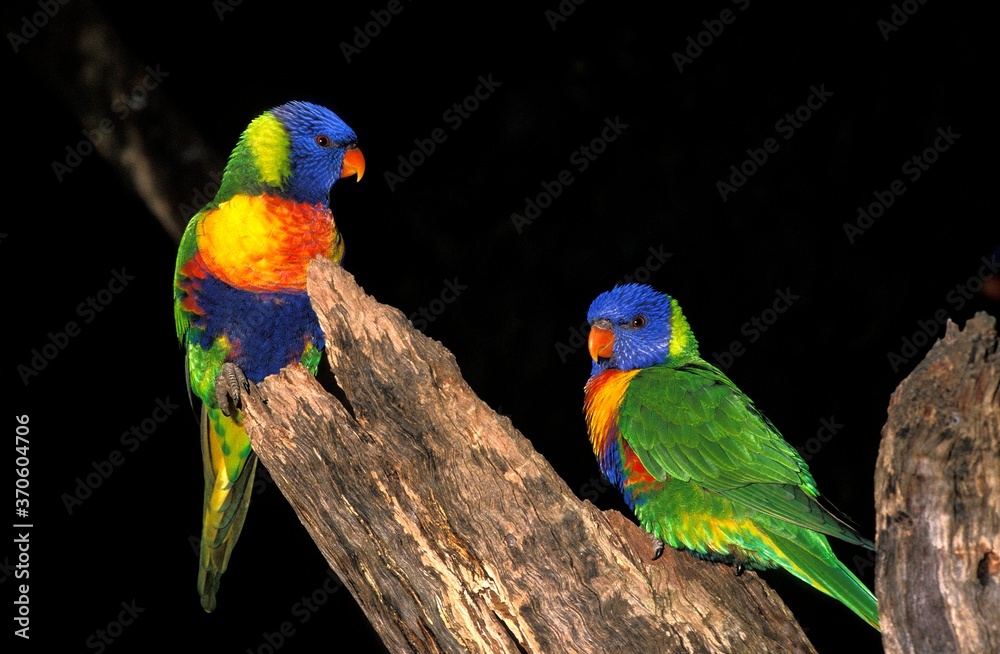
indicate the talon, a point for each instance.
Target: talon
{"x":657,"y":547}
{"x":228,"y":385}
{"x":739,"y":569}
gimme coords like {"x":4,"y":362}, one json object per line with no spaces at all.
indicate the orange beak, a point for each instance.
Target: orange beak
{"x":354,"y":164}
{"x":600,"y":341}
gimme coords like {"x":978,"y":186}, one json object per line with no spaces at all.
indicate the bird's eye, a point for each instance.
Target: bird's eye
{"x":639,"y":322}
{"x":323,"y":141}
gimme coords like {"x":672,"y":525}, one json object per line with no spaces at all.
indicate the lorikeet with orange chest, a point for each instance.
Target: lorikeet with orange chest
{"x":703,"y":470}
{"x":240,"y":302}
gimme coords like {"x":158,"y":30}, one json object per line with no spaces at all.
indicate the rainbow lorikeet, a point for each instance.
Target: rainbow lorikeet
{"x":703,"y":470}
{"x":240,"y":300}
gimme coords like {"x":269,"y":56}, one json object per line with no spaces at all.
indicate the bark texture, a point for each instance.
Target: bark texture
{"x":937,"y":495}
{"x":453,"y":533}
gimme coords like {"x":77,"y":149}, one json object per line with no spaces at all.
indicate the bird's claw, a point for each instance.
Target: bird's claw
{"x":230,"y":384}
{"x":657,"y":546}
{"x":740,"y":569}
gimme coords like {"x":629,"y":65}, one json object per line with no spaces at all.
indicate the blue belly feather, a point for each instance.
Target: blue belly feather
{"x":267,"y":331}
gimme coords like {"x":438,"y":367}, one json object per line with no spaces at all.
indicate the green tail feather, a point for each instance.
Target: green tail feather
{"x":816,"y":564}
{"x":218,"y":540}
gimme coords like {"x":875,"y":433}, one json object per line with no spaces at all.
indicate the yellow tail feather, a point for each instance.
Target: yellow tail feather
{"x":226,"y":500}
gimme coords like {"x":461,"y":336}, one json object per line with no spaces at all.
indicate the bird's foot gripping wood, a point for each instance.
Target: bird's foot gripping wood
{"x":657,"y":547}
{"x":230,"y":384}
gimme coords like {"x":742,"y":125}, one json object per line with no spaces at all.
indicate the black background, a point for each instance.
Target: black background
{"x":525,"y":294}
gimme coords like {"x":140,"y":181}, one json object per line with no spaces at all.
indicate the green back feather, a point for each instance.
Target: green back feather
{"x":691,"y":423}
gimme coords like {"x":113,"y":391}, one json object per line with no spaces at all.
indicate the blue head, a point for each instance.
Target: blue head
{"x":320,"y":148}
{"x":634,"y":326}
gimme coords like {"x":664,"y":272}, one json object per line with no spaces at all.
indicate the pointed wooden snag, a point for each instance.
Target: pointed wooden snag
{"x":453,"y":533}
{"x":937,"y":495}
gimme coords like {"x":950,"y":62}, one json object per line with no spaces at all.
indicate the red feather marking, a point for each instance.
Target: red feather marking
{"x":635,"y":472}
{"x":192,"y":273}
{"x":194,"y":268}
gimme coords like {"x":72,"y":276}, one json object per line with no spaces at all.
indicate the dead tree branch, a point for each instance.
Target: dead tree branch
{"x":122,"y":104}
{"x":453,"y":533}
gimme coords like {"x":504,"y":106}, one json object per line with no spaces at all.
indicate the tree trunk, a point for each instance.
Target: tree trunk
{"x":453,"y":534}
{"x":937,"y":495}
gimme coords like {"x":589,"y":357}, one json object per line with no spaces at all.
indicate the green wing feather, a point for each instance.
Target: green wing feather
{"x":691,"y":423}
{"x":187,"y":249}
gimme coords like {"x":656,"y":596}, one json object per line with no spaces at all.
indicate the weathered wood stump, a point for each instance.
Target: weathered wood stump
{"x":453,"y":533}
{"x":937,"y":495}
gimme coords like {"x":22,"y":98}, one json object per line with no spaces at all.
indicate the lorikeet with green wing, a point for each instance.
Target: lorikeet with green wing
{"x":703,"y":470}
{"x":240,"y":300}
